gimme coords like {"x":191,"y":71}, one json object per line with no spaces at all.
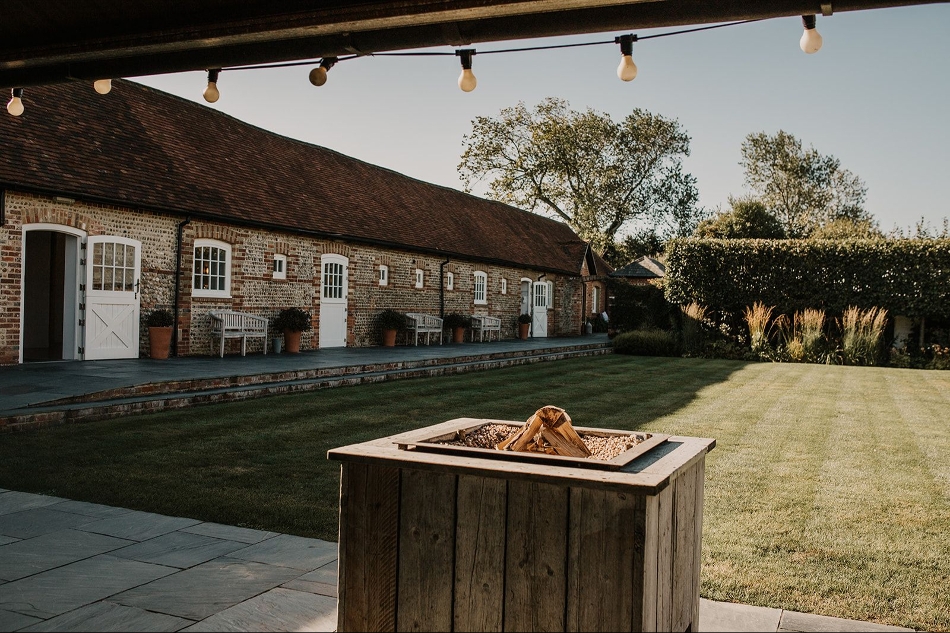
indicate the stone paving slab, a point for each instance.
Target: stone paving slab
{"x":91,"y":509}
{"x":66,"y":588}
{"x":108,"y":617}
{"x":11,"y":621}
{"x":794,"y":621}
{"x":138,"y":526}
{"x":35,"y":555}
{"x":12,"y":501}
{"x":725,"y":616}
{"x":295,"y":552}
{"x":178,"y":549}
{"x":321,"y":581}
{"x":276,"y":610}
{"x":204,"y":590}
{"x":230,"y":532}
{"x":39,"y":521}
{"x":7,"y":539}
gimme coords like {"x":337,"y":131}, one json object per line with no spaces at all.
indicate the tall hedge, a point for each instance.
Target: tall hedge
{"x":907,"y":277}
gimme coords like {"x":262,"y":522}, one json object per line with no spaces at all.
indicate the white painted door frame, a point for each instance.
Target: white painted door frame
{"x":112,"y":297}
{"x":540,"y":303}
{"x":334,"y":285}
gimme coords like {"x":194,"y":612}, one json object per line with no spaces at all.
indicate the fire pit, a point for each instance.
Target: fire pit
{"x":439,"y":535}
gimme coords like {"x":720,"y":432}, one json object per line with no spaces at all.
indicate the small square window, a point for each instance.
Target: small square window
{"x":420,"y":278}
{"x":280,"y":267}
{"x":450,"y":281}
{"x":384,"y":275}
{"x":504,"y":286}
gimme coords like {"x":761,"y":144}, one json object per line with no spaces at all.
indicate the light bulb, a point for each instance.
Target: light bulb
{"x":811,"y":38}
{"x":211,"y":93}
{"x":467,"y":81}
{"x":103,"y":86}
{"x":15,"y":106}
{"x":318,"y":76}
{"x":627,"y":70}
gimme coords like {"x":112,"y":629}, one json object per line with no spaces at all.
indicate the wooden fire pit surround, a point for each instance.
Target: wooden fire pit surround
{"x":443,"y":537}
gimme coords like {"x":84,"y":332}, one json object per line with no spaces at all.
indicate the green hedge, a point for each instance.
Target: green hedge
{"x":907,"y":277}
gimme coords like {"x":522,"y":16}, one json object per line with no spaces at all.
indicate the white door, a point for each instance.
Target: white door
{"x":111,"y":324}
{"x":333,"y":300}
{"x":539,"y":322}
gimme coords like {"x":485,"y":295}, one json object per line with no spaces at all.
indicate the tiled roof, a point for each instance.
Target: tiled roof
{"x":143,"y":148}
{"x":644,"y":268}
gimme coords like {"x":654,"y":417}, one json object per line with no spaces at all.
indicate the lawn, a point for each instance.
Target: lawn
{"x":828,"y":492}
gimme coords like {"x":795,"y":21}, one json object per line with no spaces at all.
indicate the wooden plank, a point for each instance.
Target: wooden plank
{"x":664,"y":561}
{"x":426,"y":551}
{"x":648,"y":576}
{"x":369,"y":518}
{"x":480,"y":553}
{"x":698,"y":558}
{"x":535,"y":563}
{"x":602,"y":546}
{"x":684,"y":544}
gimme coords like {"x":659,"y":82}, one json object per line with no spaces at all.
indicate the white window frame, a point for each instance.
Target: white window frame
{"x":595,"y":300}
{"x":450,"y":281}
{"x":504,"y":286}
{"x":221,"y":293}
{"x":480,"y":287}
{"x":383,"y":275}
{"x":280,"y":267}
{"x":420,"y":278}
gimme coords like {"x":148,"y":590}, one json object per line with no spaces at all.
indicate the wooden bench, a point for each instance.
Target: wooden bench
{"x":230,"y":324}
{"x":427,"y":324}
{"x":482,"y":323}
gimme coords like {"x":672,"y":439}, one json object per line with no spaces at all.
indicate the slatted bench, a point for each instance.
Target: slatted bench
{"x":427,"y":324}
{"x":485,"y":324}
{"x":230,"y":324}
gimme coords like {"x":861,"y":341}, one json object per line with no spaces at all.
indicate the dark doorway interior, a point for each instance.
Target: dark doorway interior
{"x":44,"y":296}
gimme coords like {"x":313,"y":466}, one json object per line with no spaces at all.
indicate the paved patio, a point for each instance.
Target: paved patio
{"x":75,"y":566}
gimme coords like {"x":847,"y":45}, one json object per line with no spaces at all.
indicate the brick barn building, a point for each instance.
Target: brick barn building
{"x":114,"y":205}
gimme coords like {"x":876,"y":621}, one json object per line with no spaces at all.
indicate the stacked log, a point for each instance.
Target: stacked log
{"x":549,"y":431}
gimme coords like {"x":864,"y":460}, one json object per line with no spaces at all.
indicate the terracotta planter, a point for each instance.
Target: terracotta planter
{"x":523,"y":331}
{"x":159,"y":342}
{"x":389,"y":338}
{"x":458,"y":335}
{"x":292,"y":341}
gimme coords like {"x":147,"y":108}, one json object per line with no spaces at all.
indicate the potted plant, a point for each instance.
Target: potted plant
{"x":389,"y":322}
{"x":159,"y":324}
{"x":292,"y":322}
{"x":524,"y":323}
{"x":457,"y":323}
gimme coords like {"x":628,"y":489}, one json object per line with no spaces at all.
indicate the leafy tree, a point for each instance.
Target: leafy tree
{"x":802,"y":188}
{"x":748,"y":219}
{"x":847,"y":229}
{"x":584,"y":168}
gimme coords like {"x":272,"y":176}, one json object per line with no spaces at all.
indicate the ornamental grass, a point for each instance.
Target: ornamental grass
{"x":862,"y":335}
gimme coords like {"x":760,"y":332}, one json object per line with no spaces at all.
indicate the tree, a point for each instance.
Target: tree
{"x":748,"y":219}
{"x":583,"y":168}
{"x":847,"y":229}
{"x":802,"y":188}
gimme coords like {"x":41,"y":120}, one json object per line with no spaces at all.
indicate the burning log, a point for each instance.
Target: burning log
{"x":550,"y":431}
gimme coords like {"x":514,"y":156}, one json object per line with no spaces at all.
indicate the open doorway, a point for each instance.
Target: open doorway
{"x":50,"y":287}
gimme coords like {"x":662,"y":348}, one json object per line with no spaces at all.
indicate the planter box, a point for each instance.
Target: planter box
{"x":441,"y":541}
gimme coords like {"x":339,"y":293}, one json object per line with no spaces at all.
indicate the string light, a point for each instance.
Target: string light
{"x":103,"y":86}
{"x":318,"y":76}
{"x":467,"y":80}
{"x":15,"y":106}
{"x":211,"y":93}
{"x":627,"y":70}
{"x":811,"y":38}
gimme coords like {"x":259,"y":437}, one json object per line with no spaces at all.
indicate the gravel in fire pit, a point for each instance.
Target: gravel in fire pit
{"x":602,"y":448}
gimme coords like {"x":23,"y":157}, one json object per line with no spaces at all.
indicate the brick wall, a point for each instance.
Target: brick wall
{"x":253,"y":288}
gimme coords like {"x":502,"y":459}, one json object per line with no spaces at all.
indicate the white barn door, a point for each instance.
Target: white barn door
{"x":113,"y":269}
{"x":539,"y":323}
{"x":333,"y":297}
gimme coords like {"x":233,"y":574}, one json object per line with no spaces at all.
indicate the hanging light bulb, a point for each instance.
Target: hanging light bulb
{"x":467,"y":81}
{"x":627,"y":70}
{"x":103,"y":86}
{"x":211,"y":93}
{"x":318,"y":76}
{"x":811,"y":39}
{"x":15,"y":106}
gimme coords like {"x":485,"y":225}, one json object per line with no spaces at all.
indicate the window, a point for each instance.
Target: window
{"x":383,"y":275}
{"x":504,"y":286}
{"x":595,"y":300}
{"x":420,"y":277}
{"x":280,"y":267}
{"x":212,"y":269}
{"x":481,"y":282}
{"x":450,"y":281}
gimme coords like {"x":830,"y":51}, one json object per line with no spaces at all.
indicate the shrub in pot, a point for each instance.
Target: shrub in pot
{"x":159,"y":323}
{"x":457,"y":323}
{"x":389,"y":322}
{"x":292,"y":322}
{"x":524,"y":324}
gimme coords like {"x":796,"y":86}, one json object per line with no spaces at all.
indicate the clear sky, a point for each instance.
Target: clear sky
{"x":876,"y":96}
